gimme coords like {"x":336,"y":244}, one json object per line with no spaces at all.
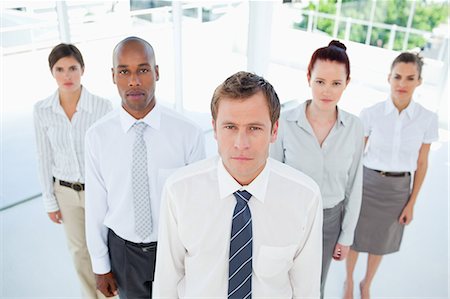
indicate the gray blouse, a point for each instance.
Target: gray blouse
{"x":336,"y":166}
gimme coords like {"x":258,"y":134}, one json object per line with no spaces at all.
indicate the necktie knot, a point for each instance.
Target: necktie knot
{"x":139,"y":128}
{"x":242,"y":197}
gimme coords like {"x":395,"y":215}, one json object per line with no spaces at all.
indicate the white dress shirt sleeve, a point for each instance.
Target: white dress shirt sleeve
{"x":432,"y":133}
{"x":96,"y":207}
{"x":306,"y":271}
{"x":171,"y":252}
{"x":198,"y":150}
{"x":45,"y":158}
{"x":353,"y":191}
{"x":364,"y":116}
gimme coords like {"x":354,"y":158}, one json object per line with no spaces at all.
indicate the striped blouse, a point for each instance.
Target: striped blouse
{"x":60,"y":141}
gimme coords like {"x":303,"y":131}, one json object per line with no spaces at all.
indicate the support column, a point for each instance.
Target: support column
{"x":259,"y":36}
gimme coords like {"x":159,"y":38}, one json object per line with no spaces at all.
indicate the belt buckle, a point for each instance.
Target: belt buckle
{"x":383,"y":173}
{"x":148,"y":248}
{"x":77,"y":186}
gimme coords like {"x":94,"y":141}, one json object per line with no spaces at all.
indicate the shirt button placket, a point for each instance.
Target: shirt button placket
{"x":74,"y":152}
{"x":396,"y":142}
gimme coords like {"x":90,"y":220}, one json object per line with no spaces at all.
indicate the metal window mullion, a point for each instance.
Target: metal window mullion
{"x":63,"y":21}
{"x":372,"y":15}
{"x":177,"y":41}
{"x":408,"y":26}
{"x":337,"y":18}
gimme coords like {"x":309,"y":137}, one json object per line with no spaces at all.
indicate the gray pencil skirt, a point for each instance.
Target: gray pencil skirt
{"x":378,"y":230}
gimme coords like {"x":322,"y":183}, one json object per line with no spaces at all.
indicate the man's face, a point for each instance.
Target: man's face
{"x":243,"y":131}
{"x":135,"y":74}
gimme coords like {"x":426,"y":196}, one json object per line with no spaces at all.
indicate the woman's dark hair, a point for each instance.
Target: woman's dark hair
{"x":408,"y":57}
{"x":64,"y":50}
{"x":335,"y":51}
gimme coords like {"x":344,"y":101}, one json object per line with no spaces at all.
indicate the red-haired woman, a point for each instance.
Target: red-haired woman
{"x":325,"y":142}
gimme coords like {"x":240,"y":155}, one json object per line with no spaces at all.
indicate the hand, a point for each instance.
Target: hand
{"x":407,"y":215}
{"x":55,"y":217}
{"x":340,"y":252}
{"x":106,"y":283}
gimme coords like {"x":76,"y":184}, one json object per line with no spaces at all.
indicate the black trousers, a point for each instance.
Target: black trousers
{"x":133,"y":265}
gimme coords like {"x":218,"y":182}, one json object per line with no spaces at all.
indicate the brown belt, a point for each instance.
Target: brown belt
{"x":75,"y":186}
{"x":393,"y":174}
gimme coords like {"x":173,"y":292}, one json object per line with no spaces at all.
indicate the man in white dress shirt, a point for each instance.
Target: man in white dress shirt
{"x":273,"y":210}
{"x":129,"y":154}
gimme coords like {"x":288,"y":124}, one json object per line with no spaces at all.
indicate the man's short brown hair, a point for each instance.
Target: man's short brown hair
{"x":243,"y":85}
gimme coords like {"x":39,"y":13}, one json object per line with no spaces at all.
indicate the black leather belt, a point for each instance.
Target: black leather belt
{"x":75,"y":186}
{"x":143,"y":246}
{"x":393,"y":174}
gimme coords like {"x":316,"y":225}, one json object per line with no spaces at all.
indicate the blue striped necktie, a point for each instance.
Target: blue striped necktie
{"x":240,"y":262}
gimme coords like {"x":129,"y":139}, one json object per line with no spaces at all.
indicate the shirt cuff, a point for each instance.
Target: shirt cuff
{"x":50,"y":204}
{"x":430,"y":140}
{"x":101,"y":265}
{"x":346,"y":239}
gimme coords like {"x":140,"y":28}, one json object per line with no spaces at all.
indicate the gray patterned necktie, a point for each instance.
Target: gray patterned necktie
{"x":140,"y":184}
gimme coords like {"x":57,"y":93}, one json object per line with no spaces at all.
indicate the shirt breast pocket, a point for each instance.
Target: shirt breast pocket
{"x":272,"y":261}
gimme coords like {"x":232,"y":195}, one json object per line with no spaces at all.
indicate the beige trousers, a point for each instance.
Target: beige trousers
{"x":71,"y":205}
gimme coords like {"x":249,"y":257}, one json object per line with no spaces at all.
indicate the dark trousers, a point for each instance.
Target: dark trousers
{"x":133,"y":265}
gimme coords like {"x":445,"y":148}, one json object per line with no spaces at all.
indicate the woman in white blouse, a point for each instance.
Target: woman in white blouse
{"x":325,"y":142}
{"x":61,"y":121}
{"x":398,"y":133}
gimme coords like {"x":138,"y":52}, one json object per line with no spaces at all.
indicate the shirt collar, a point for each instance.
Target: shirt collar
{"x":54,"y":102}
{"x":152,"y":119}
{"x":228,"y":185}
{"x":85,"y":102}
{"x":342,"y":119}
{"x":389,"y":107}
{"x":410,"y":109}
{"x":299,"y":115}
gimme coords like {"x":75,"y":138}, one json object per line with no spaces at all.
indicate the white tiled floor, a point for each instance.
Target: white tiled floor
{"x":35,"y":262}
